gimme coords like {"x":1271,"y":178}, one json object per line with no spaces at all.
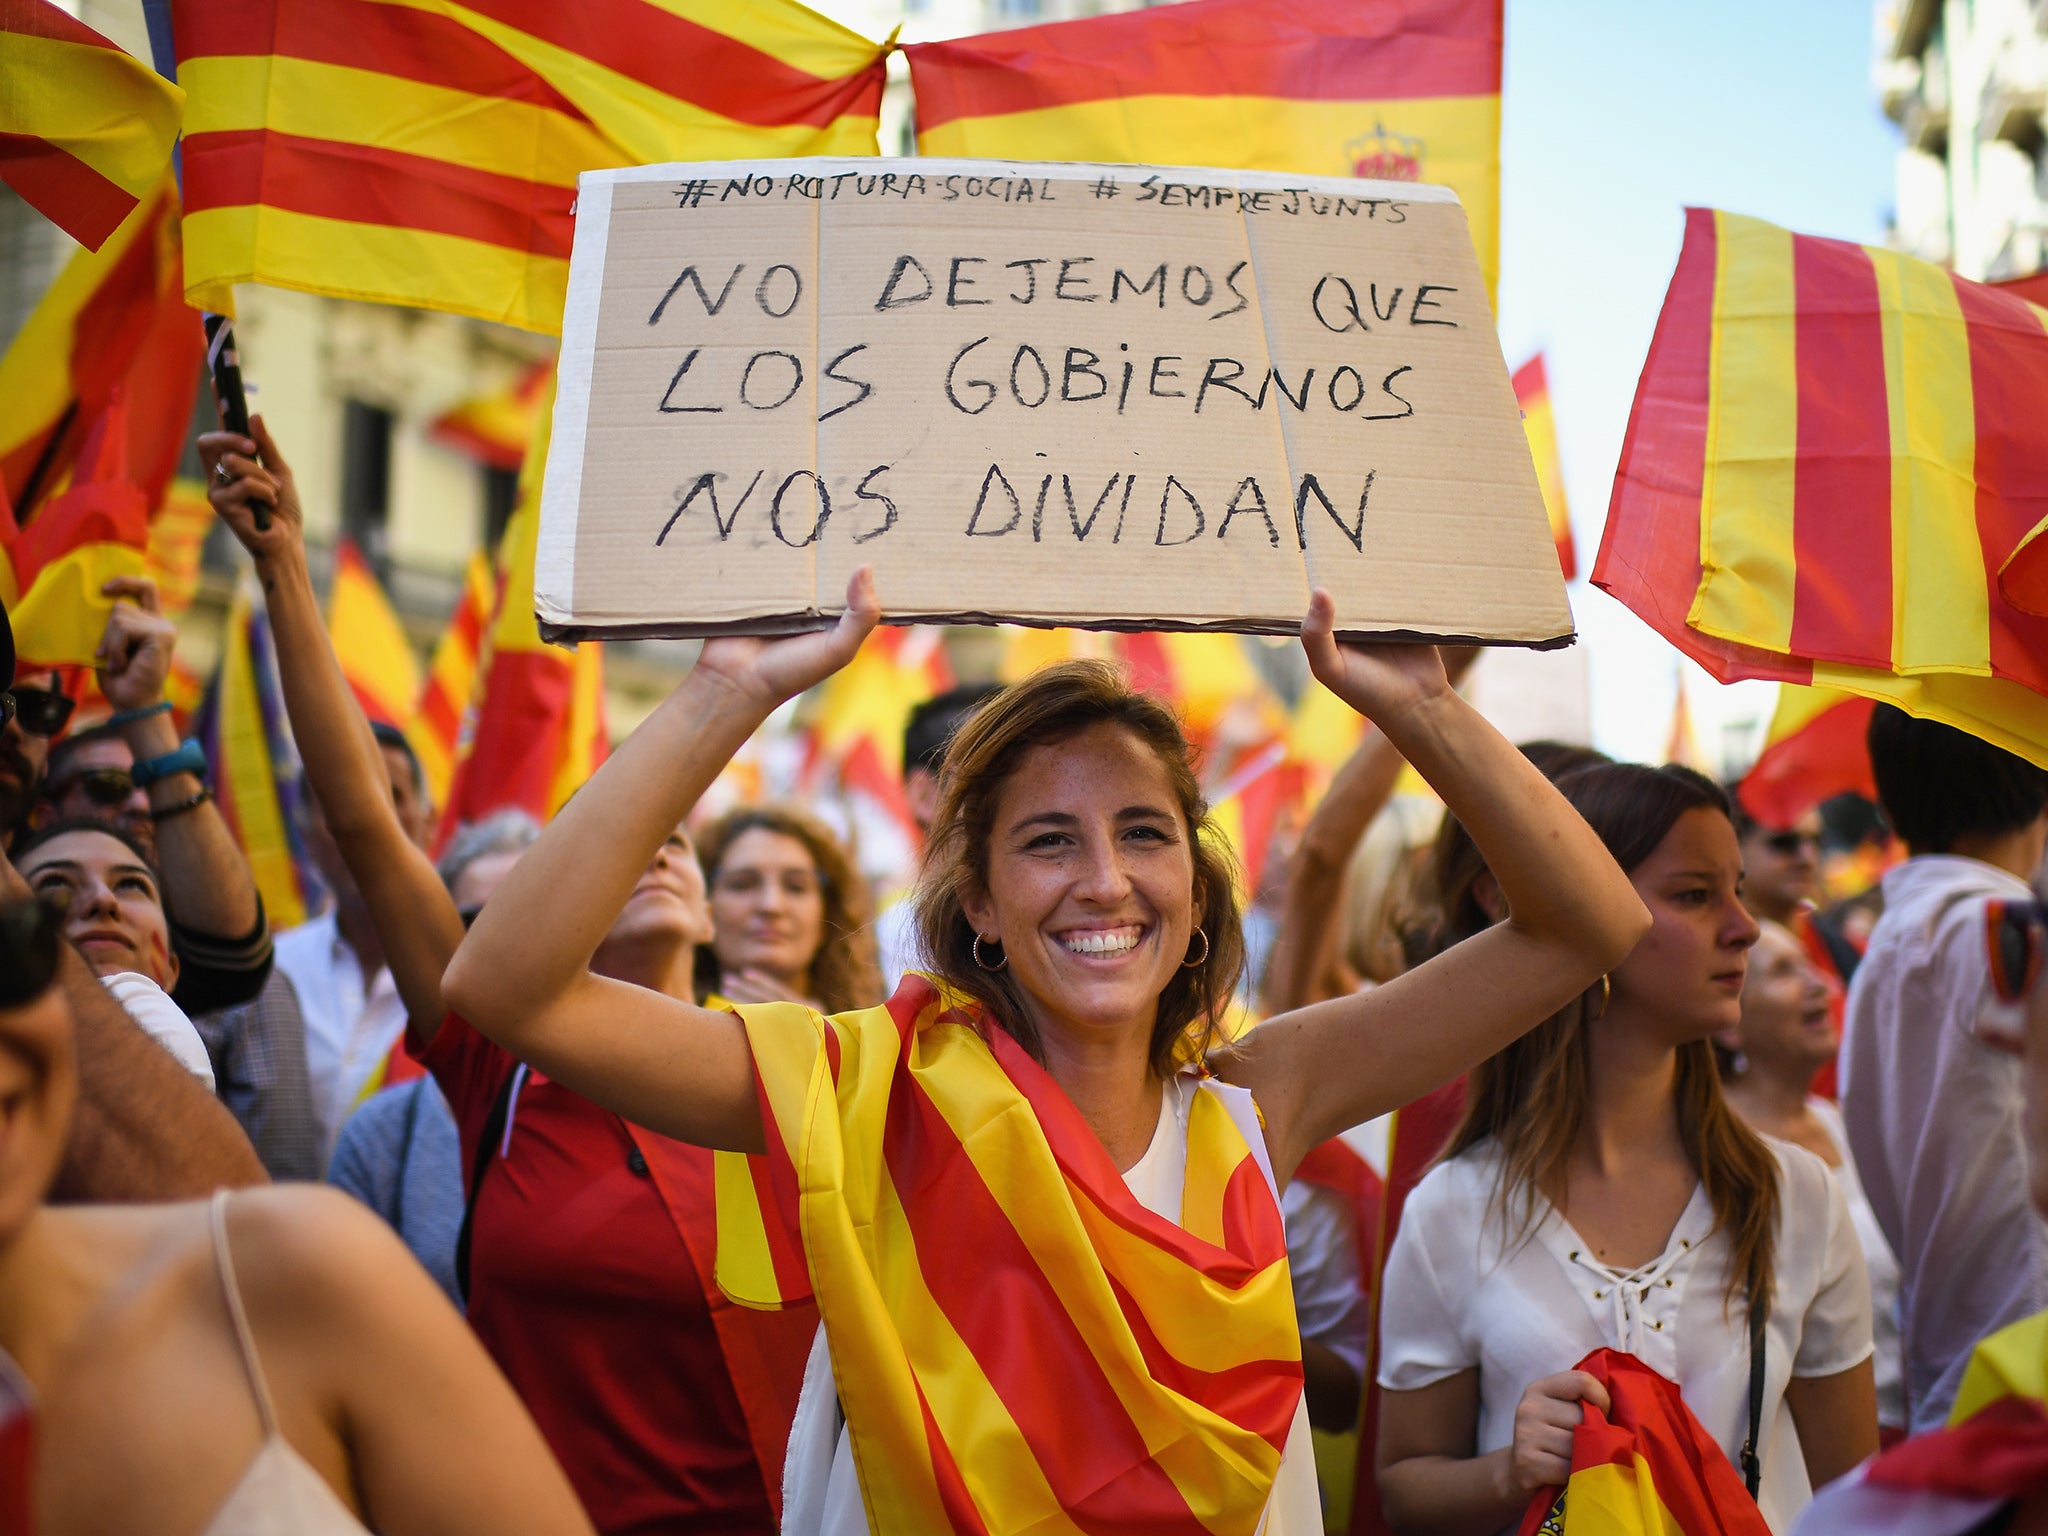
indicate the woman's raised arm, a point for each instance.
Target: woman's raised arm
{"x":522,"y":975}
{"x":415,"y":918}
{"x":1573,"y":916}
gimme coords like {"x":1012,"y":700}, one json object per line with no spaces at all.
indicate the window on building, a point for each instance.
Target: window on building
{"x":501,"y":495}
{"x":1017,"y":7}
{"x":366,"y":480}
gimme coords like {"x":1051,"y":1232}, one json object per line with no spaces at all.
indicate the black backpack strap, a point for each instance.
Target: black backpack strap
{"x":479,"y":1164}
{"x":1752,"y":1462}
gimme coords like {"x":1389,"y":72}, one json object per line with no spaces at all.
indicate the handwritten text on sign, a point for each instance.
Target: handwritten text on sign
{"x":1058,"y":394}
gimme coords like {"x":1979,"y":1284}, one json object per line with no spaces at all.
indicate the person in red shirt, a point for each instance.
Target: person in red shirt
{"x":589,"y":1242}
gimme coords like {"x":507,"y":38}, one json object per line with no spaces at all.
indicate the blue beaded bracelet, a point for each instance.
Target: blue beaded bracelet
{"x":130,"y":716}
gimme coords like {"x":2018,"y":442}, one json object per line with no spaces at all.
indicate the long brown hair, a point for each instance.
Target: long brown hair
{"x":844,"y":972}
{"x":1051,"y":706}
{"x":1531,"y":1098}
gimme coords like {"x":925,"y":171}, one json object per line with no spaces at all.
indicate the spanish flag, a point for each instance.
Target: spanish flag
{"x":256,"y":774}
{"x":1833,"y":451}
{"x":1407,"y":92}
{"x":376,"y":658}
{"x":494,"y":429}
{"x":1813,"y":751}
{"x":540,"y":728}
{"x":1646,"y":1468}
{"x":1991,"y":1456}
{"x":113,"y":325}
{"x":51,"y":570}
{"x":1018,"y":1343}
{"x":1539,"y":421}
{"x":857,"y":730}
{"x":85,"y":130}
{"x":425,"y":152}
{"x":446,"y":698}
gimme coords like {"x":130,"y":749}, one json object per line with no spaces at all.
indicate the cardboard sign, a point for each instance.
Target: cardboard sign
{"x":1107,"y":396}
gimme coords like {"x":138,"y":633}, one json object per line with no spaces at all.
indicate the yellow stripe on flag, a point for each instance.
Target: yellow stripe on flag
{"x":2013,"y":1362}
{"x":99,"y":105}
{"x":376,"y":262}
{"x":247,"y":765}
{"x":1746,"y":561}
{"x":334,"y":102}
{"x":2004,"y":713}
{"x":60,"y":619}
{"x":375,"y":656}
{"x":1941,"y":601}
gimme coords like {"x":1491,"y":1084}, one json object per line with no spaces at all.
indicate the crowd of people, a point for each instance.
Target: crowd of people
{"x":674,"y":1188}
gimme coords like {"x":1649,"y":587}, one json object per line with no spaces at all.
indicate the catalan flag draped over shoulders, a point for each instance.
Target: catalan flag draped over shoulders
{"x":425,"y":152}
{"x":1646,"y":1468}
{"x":1018,"y":1344}
{"x":1834,"y":449}
{"x":1404,"y":90}
{"x":85,"y":130}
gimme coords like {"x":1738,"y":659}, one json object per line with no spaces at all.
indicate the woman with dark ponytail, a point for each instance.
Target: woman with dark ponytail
{"x":1601,"y":1192}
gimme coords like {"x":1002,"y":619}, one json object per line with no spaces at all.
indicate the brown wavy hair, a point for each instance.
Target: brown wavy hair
{"x":845,"y":972}
{"x":1531,"y":1098}
{"x":1053,"y":705}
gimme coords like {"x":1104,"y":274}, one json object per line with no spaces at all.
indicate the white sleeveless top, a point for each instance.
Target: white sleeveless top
{"x":820,"y":1489}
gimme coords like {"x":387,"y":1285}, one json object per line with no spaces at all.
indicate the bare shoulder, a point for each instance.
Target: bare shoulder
{"x":309,"y":1246}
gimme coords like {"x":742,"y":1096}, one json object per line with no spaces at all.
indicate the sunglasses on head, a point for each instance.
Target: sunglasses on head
{"x":40,"y":711}
{"x":1790,"y":841}
{"x":106,"y":788}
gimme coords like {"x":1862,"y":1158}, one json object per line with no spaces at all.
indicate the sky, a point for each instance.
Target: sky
{"x":1617,"y":115}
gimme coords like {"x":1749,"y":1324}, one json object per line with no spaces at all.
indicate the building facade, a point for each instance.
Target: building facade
{"x":1967,"y":83}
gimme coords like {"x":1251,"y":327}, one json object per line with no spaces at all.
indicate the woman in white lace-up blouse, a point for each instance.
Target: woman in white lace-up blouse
{"x":1602,"y":1193}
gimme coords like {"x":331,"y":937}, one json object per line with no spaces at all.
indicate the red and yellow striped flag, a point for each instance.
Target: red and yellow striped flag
{"x":1407,"y":92}
{"x":915,"y":1152}
{"x":1644,"y":1468}
{"x":51,"y":570}
{"x":255,"y":769}
{"x":85,"y":130}
{"x":376,"y":658}
{"x":425,"y":152}
{"x":1813,"y":751}
{"x":114,"y":325}
{"x":1539,"y":421}
{"x":1990,"y":1460}
{"x":444,"y":704}
{"x":862,"y":709}
{"x":494,"y":429}
{"x":540,"y":728}
{"x":1833,"y":450}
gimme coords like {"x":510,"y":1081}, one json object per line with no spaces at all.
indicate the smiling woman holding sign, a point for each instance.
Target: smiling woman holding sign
{"x":1034,"y":1198}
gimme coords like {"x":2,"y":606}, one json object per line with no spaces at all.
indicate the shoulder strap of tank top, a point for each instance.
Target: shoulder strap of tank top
{"x":233,"y":1292}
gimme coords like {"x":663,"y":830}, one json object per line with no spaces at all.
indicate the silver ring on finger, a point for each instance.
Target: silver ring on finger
{"x":221,"y":474}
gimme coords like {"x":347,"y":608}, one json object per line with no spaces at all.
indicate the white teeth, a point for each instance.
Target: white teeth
{"x":1111,"y":942}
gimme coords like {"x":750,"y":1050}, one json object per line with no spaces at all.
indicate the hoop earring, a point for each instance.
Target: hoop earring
{"x":1606,"y":997}
{"x":975,"y":950}
{"x":1202,"y":959}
